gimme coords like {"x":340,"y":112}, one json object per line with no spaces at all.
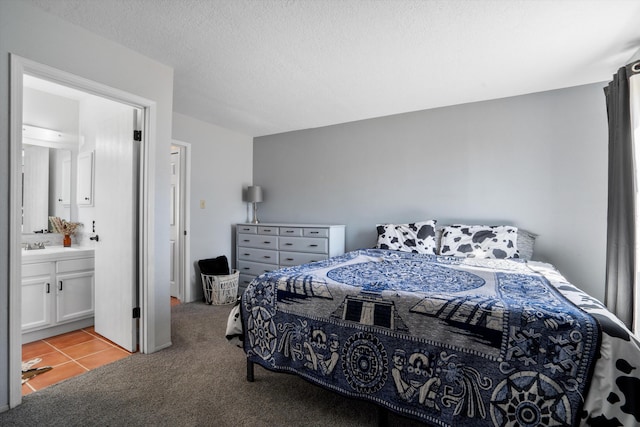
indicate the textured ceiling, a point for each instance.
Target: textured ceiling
{"x":268,"y":66}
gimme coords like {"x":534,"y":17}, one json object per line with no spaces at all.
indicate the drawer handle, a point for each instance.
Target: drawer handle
{"x":289,"y":259}
{"x":246,"y":240}
{"x":289,"y":231}
{"x":246,"y":229}
{"x":266,"y":271}
{"x":267,"y":230}
{"x":266,"y":257}
{"x":266,"y":243}
{"x":246,"y":268}
{"x":314,"y":232}
{"x":288,"y":244}
{"x":313,"y":246}
{"x":245,"y":254}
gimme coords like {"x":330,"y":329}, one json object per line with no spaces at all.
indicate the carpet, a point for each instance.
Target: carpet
{"x":198,"y":381}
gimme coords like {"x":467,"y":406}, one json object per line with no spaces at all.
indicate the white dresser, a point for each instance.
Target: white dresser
{"x":264,"y":247}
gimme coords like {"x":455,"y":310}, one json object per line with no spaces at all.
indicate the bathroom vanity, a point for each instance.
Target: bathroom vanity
{"x":57,"y":291}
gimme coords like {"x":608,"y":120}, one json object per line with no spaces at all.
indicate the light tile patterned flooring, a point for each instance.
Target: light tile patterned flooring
{"x":70,"y":354}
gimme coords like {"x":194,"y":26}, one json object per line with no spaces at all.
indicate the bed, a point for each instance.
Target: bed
{"x":458,"y":329}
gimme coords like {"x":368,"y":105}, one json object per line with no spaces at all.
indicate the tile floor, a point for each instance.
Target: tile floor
{"x":70,"y":354}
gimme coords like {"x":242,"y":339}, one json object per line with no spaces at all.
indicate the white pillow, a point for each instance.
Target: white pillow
{"x":480,"y":241}
{"x":417,"y":237}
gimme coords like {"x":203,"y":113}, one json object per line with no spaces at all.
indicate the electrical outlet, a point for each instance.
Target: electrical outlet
{"x":202,"y":204}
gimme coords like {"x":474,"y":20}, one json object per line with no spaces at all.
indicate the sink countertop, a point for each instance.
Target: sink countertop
{"x":54,"y":253}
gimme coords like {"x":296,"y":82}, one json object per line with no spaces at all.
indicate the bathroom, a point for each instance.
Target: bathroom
{"x":63,"y":129}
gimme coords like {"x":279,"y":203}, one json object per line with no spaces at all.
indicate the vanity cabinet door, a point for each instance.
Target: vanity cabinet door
{"x":75,"y":295}
{"x":36,"y":302}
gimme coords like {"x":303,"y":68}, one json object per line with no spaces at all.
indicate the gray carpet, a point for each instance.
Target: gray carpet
{"x":198,"y":381}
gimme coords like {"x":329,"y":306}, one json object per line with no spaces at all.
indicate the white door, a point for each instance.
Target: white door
{"x":116,"y":212}
{"x":174,"y":236}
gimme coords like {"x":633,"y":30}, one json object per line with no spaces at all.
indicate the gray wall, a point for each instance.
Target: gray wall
{"x":537,"y":161}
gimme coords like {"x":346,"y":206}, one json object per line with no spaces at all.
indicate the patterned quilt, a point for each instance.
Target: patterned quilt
{"x":446,"y":340}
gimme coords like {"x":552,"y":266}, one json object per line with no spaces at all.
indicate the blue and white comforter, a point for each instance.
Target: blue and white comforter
{"x":446,"y":340}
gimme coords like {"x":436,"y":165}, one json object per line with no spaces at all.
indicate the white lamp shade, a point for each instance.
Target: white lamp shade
{"x":254,"y":194}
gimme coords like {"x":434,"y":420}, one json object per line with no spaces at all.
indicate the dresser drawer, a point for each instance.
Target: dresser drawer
{"x":36,"y":269}
{"x":254,"y":268}
{"x":258,"y":241}
{"x":248,"y":229}
{"x":288,"y":259}
{"x":315,"y":232}
{"x":75,"y":265}
{"x":244,"y":280}
{"x":268,"y":256}
{"x":291,"y":231}
{"x":273,"y":231}
{"x":303,"y":244}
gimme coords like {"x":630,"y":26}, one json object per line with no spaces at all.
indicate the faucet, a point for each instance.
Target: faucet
{"x":35,"y":245}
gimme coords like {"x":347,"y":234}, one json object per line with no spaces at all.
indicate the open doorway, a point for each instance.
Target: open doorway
{"x":116,"y":190}
{"x":178,"y":222}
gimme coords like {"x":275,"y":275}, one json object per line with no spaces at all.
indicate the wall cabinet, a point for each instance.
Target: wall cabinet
{"x":55,"y":294}
{"x":85,"y":179}
{"x":264,"y":247}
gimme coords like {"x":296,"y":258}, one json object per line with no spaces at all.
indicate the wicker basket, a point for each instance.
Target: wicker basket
{"x":220,"y":290}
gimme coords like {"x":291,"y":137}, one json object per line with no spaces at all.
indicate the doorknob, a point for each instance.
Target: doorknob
{"x":96,"y":238}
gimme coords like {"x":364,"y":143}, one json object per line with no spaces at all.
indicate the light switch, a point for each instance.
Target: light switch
{"x":202,"y":203}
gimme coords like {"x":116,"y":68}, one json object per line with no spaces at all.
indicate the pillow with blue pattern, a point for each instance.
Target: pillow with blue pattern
{"x":416,"y":237}
{"x":480,"y":241}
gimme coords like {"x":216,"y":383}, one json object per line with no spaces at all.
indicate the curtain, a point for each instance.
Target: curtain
{"x":621,"y":213}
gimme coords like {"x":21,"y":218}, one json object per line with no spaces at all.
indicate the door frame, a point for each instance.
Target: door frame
{"x":184,"y":203}
{"x":146,"y":329}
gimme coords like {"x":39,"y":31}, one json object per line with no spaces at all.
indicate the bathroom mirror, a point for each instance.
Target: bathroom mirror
{"x":46,"y":182}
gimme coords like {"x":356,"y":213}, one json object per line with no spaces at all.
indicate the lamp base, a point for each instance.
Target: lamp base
{"x":255,"y":214}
